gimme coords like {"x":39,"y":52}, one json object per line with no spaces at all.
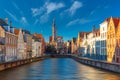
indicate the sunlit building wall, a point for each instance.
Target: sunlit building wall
{"x":111,"y":38}
{"x":103,"y":40}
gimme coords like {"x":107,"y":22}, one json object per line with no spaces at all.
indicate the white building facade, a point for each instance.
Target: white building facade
{"x":36,"y":47}
{"x":21,"y":46}
{"x":103,"y":38}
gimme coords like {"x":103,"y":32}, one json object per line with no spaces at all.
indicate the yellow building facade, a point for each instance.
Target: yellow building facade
{"x":111,"y":38}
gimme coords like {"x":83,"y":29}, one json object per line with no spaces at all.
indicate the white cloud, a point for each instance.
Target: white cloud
{"x":37,"y":11}
{"x":73,"y":8}
{"x":76,"y":5}
{"x":53,"y":6}
{"x":11,"y":15}
{"x":44,"y":18}
{"x":45,"y":10}
{"x":79,"y":21}
{"x":24,"y":20}
{"x":73,"y":22}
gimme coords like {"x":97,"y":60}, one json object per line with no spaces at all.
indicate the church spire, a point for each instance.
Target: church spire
{"x":54,"y":22}
{"x":54,"y":31}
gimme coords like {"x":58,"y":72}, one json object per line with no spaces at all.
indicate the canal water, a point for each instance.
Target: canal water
{"x":57,"y":69}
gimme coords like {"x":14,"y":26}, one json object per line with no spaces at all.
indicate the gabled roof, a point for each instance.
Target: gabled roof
{"x":38,"y":35}
{"x":81,"y":34}
{"x":115,"y":21}
{"x":97,"y":32}
{"x":35,"y":38}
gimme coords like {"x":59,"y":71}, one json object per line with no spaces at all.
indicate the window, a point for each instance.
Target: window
{"x":103,"y":28}
{"x":108,"y":36}
{"x":105,"y":34}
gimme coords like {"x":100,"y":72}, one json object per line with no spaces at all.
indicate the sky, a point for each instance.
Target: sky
{"x":72,"y":16}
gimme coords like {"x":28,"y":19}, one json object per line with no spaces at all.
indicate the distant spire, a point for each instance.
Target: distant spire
{"x":54,"y":22}
{"x":54,"y":31}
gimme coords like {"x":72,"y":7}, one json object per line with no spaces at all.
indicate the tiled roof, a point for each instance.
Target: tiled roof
{"x":81,"y":34}
{"x":108,"y":19}
{"x":16,"y":31}
{"x":116,"y":21}
{"x":35,"y":38}
{"x":38,"y":35}
{"x":97,"y":32}
{"x":60,"y":37}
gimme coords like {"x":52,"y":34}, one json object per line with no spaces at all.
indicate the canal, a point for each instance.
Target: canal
{"x":57,"y":69}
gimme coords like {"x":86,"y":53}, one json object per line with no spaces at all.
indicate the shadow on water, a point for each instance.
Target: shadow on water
{"x":57,"y":69}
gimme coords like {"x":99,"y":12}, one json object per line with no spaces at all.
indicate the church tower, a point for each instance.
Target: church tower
{"x":54,"y":31}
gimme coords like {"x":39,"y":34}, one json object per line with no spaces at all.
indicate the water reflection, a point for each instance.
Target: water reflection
{"x":57,"y":69}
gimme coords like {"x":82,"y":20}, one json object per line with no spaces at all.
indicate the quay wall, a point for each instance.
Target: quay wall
{"x":8,"y":65}
{"x":114,"y":67}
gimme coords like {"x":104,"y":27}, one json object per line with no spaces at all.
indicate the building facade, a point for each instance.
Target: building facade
{"x":55,"y":41}
{"x":36,"y":47}
{"x":28,"y":43}
{"x":2,"y":44}
{"x":103,"y":42}
{"x":21,"y":45}
{"x":8,"y":41}
{"x":74,"y":46}
{"x":111,"y":39}
{"x":117,"y":49}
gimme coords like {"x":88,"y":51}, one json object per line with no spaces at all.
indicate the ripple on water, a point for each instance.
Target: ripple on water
{"x":57,"y":69}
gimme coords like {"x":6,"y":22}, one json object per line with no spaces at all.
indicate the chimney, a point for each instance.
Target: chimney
{"x":10,"y":23}
{"x":6,"y":20}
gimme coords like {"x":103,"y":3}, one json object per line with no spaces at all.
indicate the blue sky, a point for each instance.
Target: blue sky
{"x":72,"y":16}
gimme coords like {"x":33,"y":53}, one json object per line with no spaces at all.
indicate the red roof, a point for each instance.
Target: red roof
{"x":115,"y":20}
{"x":59,"y":37}
{"x":97,"y":32}
{"x":38,"y":35}
{"x":16,"y":31}
{"x":81,"y":34}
